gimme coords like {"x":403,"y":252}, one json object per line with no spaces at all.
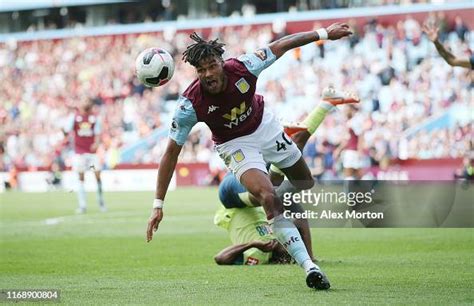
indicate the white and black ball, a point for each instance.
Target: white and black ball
{"x":154,"y":67}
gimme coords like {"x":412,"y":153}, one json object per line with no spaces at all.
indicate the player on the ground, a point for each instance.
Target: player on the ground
{"x":246,"y":134}
{"x":85,"y":127}
{"x":431,"y":31}
{"x":252,"y":241}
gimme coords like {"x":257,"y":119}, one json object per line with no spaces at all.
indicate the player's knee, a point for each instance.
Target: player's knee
{"x":307,"y":183}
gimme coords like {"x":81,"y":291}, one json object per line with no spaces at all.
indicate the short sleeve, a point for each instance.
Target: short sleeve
{"x":183,"y":121}
{"x":69,"y":123}
{"x":98,"y":126}
{"x":258,"y":61}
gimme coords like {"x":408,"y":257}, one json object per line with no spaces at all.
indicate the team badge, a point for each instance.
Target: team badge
{"x":242,"y":85}
{"x":238,"y":156}
{"x":251,"y":261}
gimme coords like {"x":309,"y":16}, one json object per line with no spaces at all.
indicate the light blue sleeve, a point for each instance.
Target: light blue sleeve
{"x":258,"y":61}
{"x":183,"y":121}
{"x":69,"y":124}
{"x":98,"y":126}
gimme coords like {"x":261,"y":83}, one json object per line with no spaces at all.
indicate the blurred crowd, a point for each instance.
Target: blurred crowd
{"x":395,"y":70}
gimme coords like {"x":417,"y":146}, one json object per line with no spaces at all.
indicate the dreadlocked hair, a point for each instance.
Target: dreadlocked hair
{"x":202,"y":49}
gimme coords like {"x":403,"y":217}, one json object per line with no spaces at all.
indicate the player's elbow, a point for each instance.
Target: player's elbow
{"x":457,"y":62}
{"x":277,"y":49}
{"x":221,"y":260}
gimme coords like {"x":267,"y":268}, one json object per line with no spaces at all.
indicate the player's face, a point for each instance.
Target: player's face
{"x":87,"y":105}
{"x":211,"y":74}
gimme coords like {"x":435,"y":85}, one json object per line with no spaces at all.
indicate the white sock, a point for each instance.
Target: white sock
{"x":100,"y":195}
{"x":287,"y":234}
{"x":81,"y":195}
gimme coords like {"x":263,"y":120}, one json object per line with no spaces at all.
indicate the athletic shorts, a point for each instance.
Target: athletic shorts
{"x":229,"y":190}
{"x":268,"y":144}
{"x":351,"y":159}
{"x":84,"y":162}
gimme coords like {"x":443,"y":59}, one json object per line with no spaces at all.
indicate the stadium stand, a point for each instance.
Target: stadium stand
{"x":393,"y":67}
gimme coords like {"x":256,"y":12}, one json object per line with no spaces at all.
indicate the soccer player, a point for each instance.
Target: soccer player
{"x":85,"y":127}
{"x":431,"y":31}
{"x":249,"y":231}
{"x":246,"y":134}
{"x":252,"y":241}
{"x":351,"y":147}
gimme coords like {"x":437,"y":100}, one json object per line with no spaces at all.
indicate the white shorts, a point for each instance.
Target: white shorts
{"x":84,"y":162}
{"x":351,"y":159}
{"x":268,"y":144}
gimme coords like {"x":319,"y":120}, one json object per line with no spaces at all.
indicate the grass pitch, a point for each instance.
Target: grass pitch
{"x":102,"y":258}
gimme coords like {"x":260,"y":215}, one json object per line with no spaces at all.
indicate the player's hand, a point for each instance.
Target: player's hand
{"x":338,"y":30}
{"x":153,"y":222}
{"x":265,"y":246}
{"x":431,"y":30}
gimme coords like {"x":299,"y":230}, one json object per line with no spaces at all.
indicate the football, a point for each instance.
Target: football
{"x":154,"y":67}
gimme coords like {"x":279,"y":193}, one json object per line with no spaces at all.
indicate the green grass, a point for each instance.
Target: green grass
{"x":103,"y":258}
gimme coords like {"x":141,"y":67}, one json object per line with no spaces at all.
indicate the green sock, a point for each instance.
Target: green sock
{"x":314,"y":119}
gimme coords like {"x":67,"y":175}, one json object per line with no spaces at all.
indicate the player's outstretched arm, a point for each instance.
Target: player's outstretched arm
{"x":431,"y":31}
{"x":333,"y":32}
{"x":165,"y":172}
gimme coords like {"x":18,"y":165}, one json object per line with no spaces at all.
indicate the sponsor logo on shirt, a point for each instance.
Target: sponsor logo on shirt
{"x":85,"y":130}
{"x":237,"y":115}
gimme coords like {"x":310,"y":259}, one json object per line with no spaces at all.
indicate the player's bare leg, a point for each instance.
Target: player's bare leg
{"x":259,"y":186}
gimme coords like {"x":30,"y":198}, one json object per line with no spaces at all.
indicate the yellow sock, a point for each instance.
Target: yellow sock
{"x":314,"y":119}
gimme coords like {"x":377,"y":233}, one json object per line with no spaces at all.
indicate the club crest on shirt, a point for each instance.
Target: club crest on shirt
{"x":251,"y":261}
{"x":242,"y":85}
{"x":238,"y":156}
